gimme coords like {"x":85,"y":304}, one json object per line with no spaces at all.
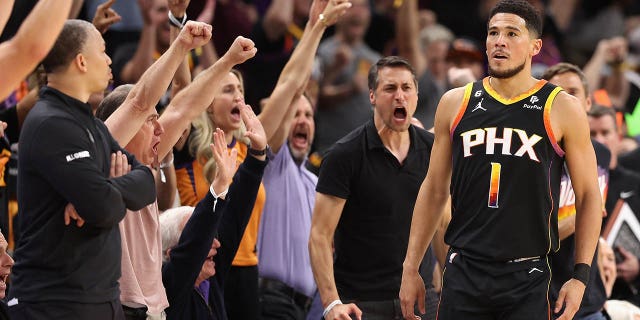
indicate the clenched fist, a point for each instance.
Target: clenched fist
{"x":241,"y":50}
{"x":195,"y":34}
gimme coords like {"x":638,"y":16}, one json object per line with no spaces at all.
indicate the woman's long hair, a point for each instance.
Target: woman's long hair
{"x":202,"y":136}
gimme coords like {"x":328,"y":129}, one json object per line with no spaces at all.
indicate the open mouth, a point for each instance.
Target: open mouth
{"x":300,"y":137}
{"x":155,"y":147}
{"x":499,"y":56}
{"x":235,"y":113}
{"x":3,"y":281}
{"x":400,"y":113}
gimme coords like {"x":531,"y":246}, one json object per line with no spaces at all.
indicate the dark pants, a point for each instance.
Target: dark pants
{"x":278,"y":301}
{"x":378,"y":310}
{"x":391,"y":309}
{"x":67,"y":310}
{"x":241,"y":293}
{"x":482,"y":290}
{"x":134,"y":313}
{"x":593,"y":316}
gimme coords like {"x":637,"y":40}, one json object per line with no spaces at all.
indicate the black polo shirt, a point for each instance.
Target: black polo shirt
{"x":373,"y":232}
{"x":630,"y":160}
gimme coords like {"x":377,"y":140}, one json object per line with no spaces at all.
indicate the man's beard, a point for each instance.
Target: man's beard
{"x":506,"y":73}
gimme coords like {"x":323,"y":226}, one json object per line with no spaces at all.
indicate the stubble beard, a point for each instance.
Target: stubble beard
{"x":506,"y":73}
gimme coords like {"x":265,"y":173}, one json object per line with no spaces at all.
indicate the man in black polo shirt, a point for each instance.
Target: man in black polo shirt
{"x":365,"y":195}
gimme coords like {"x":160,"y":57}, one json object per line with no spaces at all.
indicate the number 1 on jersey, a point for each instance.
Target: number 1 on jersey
{"x":494,"y":184}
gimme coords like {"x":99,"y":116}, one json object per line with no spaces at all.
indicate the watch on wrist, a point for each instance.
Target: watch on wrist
{"x":256,"y":152}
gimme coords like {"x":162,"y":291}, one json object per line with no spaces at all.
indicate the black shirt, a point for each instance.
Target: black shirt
{"x":373,"y":232}
{"x":65,"y":155}
{"x":623,"y":184}
{"x":630,"y":160}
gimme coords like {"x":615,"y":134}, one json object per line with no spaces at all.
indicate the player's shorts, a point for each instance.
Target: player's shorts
{"x":483,"y":290}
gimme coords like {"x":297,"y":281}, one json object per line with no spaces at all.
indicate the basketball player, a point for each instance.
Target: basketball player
{"x":499,"y":149}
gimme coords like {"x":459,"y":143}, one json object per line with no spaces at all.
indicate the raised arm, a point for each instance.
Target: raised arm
{"x":277,"y":114}
{"x":125,"y":122}
{"x":194,"y":99}
{"x":182,"y":77}
{"x":408,"y":35}
{"x":143,"y":57}
{"x":166,"y":181}
{"x":105,"y":16}
{"x":430,"y":204}
{"x":209,"y":54}
{"x":612,"y":52}
{"x":37,"y":34}
{"x":5,"y":13}
{"x":570,"y":123}
{"x":278,"y":17}
{"x":616,"y":83}
{"x":185,"y":263}
{"x":242,"y":194}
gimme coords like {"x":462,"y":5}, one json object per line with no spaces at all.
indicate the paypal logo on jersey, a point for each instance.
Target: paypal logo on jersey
{"x":533,"y":104}
{"x":534,"y":99}
{"x":487,"y":137}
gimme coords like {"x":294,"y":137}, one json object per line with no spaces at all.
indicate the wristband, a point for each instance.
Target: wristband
{"x":330,"y":306}
{"x":177,"y":22}
{"x":581,"y":272}
{"x":256,"y":152}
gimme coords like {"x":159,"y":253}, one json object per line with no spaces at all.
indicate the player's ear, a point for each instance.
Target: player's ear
{"x":536,"y":46}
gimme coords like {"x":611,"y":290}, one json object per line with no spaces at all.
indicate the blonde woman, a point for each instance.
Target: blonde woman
{"x":195,"y":169}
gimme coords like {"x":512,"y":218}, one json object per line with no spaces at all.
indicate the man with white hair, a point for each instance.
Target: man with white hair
{"x":196,"y":265}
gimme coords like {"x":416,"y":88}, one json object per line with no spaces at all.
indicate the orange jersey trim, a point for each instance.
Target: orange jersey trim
{"x":547,"y":121}
{"x":462,"y":108}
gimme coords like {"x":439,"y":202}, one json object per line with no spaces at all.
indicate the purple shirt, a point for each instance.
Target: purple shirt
{"x":286,"y":221}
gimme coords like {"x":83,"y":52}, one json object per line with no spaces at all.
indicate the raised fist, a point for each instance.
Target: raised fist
{"x":195,"y":34}
{"x":241,"y":50}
